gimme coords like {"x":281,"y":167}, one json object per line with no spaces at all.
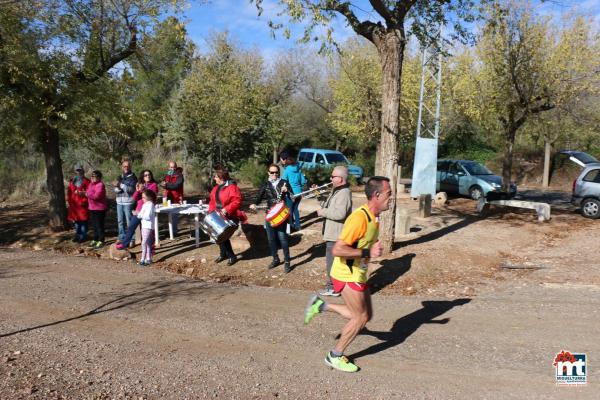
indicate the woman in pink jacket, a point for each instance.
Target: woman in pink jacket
{"x":97,"y":205}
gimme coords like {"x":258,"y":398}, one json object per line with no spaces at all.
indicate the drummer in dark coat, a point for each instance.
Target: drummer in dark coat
{"x":226,"y":196}
{"x":274,"y":190}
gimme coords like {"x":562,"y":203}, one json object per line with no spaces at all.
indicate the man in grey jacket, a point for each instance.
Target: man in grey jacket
{"x":335,"y":210}
{"x":124,"y":187}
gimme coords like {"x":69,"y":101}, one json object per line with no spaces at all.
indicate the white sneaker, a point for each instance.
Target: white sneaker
{"x":328,"y":292}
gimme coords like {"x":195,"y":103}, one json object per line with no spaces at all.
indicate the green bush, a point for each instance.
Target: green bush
{"x":366,"y":162}
{"x":252,"y":172}
{"x":320,"y":175}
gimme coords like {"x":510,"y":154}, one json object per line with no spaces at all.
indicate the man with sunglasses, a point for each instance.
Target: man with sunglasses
{"x":335,"y":210}
{"x":274,"y":190}
{"x":356,"y":246}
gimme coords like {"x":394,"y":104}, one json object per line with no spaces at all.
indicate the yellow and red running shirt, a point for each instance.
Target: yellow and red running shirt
{"x":361,"y":231}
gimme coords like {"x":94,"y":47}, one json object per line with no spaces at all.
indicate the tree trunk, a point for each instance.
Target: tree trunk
{"x":547,"y":151}
{"x":390,"y":46}
{"x":508,"y":158}
{"x":57,"y":210}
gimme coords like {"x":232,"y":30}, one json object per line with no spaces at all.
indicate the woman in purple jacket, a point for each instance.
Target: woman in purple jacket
{"x":148,"y":182}
{"x":97,"y":205}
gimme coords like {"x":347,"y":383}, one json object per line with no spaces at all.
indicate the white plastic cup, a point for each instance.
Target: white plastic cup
{"x":185,"y":202}
{"x":169,"y":203}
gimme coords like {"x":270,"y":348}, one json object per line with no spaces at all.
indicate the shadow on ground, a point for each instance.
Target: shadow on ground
{"x":389,"y":272}
{"x":152,"y":293}
{"x":409,"y":324}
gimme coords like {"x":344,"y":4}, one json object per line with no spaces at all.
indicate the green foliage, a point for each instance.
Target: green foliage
{"x":217,"y":113}
{"x":321,"y":174}
{"x":252,"y":172}
{"x":366,"y":161}
{"x":318,"y":175}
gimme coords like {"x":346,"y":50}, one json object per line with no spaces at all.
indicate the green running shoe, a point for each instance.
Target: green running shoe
{"x":340,"y":363}
{"x":314,"y":308}
{"x":98,"y":245}
{"x":92,"y":244}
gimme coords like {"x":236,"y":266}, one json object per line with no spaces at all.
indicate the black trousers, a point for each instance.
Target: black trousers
{"x":97,"y":220}
{"x":226,"y":250}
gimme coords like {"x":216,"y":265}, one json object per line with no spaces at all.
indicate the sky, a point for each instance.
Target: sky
{"x":240,"y":18}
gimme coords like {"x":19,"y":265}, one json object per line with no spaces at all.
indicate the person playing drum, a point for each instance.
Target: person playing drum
{"x":226,"y":196}
{"x":275,"y":191}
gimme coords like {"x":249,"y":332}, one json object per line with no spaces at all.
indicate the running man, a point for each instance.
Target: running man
{"x":356,"y":246}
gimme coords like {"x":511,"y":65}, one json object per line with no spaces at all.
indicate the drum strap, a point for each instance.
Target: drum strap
{"x":217,"y":198}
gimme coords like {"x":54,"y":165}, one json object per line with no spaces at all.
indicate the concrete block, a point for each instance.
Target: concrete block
{"x":542,"y":210}
{"x":441,"y":198}
{"x":424,"y":205}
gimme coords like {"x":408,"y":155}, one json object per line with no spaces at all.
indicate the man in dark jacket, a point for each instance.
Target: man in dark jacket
{"x":124,"y":187}
{"x":273,"y":191}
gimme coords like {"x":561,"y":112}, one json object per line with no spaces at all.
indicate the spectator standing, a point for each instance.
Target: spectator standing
{"x":147,"y":182}
{"x":97,"y":204}
{"x":146,"y":216}
{"x":335,"y":210}
{"x":173,"y":189}
{"x":78,"y":203}
{"x":297,"y":181}
{"x":124,"y":187}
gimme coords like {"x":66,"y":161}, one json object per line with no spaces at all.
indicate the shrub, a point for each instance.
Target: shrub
{"x":320,"y":175}
{"x":252,"y":172}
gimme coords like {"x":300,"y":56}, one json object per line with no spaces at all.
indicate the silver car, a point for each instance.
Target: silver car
{"x":586,"y":188}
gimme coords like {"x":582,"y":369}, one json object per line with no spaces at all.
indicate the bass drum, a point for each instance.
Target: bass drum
{"x":216,"y":225}
{"x":278,"y":214}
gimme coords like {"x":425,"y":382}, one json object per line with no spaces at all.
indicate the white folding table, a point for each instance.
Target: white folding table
{"x":185,"y":209}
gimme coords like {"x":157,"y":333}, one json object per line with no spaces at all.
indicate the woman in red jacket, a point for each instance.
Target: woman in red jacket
{"x":226,"y":196}
{"x":78,"y":204}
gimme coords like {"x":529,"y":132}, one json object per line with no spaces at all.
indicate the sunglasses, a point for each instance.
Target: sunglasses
{"x":334,"y":176}
{"x":273,"y":172}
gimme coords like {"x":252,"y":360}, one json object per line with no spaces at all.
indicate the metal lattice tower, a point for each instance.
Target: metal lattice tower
{"x":430,"y":97}
{"x":428,"y":122}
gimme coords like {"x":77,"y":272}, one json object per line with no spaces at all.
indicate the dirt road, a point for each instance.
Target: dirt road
{"x":79,"y":327}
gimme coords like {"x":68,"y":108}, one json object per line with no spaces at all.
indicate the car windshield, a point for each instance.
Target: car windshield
{"x":474,"y":168}
{"x":335,"y":158}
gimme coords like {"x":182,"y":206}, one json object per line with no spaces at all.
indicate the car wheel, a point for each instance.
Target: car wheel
{"x":590,"y":208}
{"x":475,"y":192}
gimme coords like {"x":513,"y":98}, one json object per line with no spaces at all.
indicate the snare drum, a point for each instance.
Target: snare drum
{"x":218,"y":226}
{"x":278,"y":214}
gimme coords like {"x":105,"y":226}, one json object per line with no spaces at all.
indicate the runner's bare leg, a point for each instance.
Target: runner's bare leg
{"x":359,"y":305}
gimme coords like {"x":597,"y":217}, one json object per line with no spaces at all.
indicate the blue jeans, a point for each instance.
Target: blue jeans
{"x":294,"y":213}
{"x":81,"y":228}
{"x":278,"y":240}
{"x":134,"y":222}
{"x":123,"y":216}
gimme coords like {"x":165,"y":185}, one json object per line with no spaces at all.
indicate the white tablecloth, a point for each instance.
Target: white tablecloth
{"x":185,"y":209}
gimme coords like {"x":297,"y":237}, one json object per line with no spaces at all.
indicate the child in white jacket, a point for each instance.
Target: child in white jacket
{"x":146,"y":216}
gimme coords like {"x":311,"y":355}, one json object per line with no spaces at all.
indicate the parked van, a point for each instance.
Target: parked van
{"x":311,"y":158}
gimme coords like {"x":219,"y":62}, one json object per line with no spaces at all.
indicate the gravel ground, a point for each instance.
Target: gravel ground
{"x":87,"y":328}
